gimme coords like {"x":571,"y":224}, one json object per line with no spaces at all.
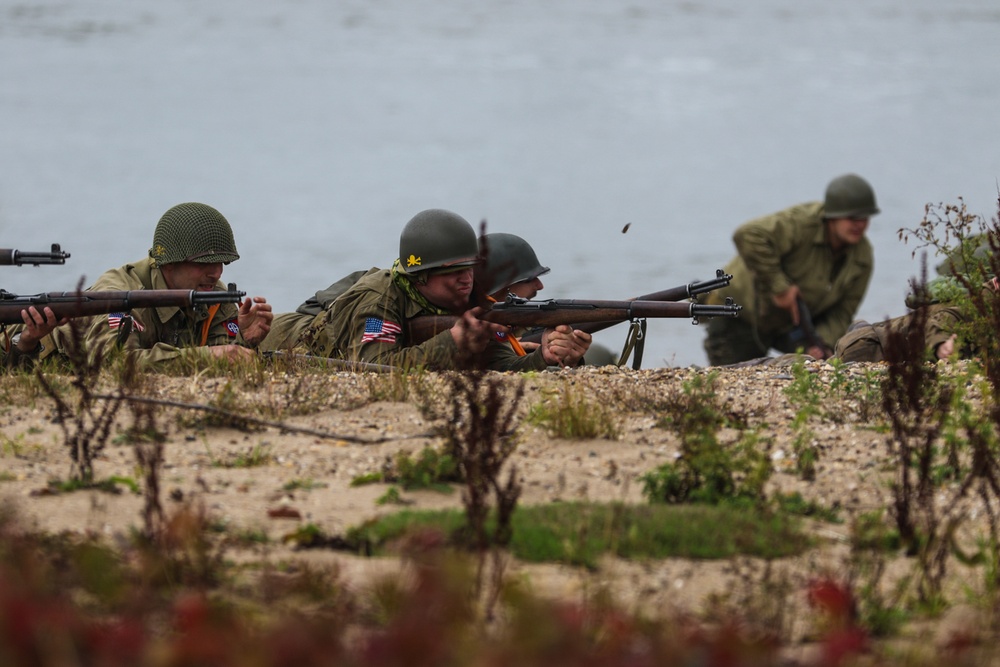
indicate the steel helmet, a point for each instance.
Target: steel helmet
{"x":436,"y":239}
{"x":849,"y":196}
{"x":507,"y":259}
{"x":193,"y":232}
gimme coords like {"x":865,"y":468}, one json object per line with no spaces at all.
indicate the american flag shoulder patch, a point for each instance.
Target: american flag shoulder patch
{"x":232,"y":328}
{"x":115,"y":321}
{"x":501,"y":336}
{"x":378,"y":330}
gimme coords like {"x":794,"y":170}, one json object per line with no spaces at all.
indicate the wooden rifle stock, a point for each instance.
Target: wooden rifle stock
{"x":11,"y":257}
{"x":77,"y":304}
{"x":550,"y":313}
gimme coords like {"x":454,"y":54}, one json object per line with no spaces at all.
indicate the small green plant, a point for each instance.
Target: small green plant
{"x":794,"y":503}
{"x":808,"y":393}
{"x":110,"y":485}
{"x":431,"y":469}
{"x":13,"y":446}
{"x":569,"y":413}
{"x":392,"y":496}
{"x":367,"y":478}
{"x":256,"y":456}
{"x":707,"y":470}
{"x":579,"y":533}
{"x":305,"y":485}
{"x":248,"y":537}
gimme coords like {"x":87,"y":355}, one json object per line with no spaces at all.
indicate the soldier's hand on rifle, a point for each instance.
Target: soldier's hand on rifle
{"x":255,"y":319}
{"x":37,"y":325}
{"x":472,"y":334}
{"x":789,"y":300}
{"x":564,"y":345}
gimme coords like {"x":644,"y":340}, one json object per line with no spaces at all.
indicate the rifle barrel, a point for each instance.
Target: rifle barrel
{"x":681,"y":292}
{"x":12,"y":257}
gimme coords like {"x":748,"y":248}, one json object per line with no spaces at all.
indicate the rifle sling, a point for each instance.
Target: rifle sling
{"x":212,"y":310}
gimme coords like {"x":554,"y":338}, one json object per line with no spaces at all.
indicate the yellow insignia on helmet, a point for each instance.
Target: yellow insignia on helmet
{"x":412,"y":261}
{"x":159,"y":251}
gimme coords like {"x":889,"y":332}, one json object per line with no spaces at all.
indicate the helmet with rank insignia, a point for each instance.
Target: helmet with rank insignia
{"x":193,"y":232}
{"x":437,"y":239}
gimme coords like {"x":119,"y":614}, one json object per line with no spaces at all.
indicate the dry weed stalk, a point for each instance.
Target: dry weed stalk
{"x":480,"y":438}
{"x":86,"y":426}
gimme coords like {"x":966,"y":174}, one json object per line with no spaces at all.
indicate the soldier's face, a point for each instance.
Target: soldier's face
{"x":192,"y":275}
{"x":847,"y":231}
{"x":449,"y":290}
{"x":526,"y":289}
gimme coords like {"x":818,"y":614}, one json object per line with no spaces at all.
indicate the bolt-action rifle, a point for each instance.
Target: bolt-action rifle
{"x":679,"y":293}
{"x":518,"y":312}
{"x":11,"y":257}
{"x":77,"y":304}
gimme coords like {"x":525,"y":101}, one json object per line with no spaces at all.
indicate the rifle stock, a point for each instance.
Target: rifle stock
{"x":519,"y":313}
{"x":11,"y":257}
{"x":77,"y":304}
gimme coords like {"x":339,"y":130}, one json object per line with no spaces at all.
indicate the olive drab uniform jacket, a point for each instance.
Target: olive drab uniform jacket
{"x":368,"y":323}
{"x":867,"y":342}
{"x":790,"y":247}
{"x":157,"y":334}
{"x":288,"y":330}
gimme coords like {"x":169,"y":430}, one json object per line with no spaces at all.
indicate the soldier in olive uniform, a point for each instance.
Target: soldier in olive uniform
{"x":191,"y":244}
{"x":943,"y":324}
{"x":432,"y":276}
{"x":509,"y":265}
{"x":815,"y":254}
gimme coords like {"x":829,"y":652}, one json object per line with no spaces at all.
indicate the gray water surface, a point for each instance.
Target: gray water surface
{"x":319,"y":128}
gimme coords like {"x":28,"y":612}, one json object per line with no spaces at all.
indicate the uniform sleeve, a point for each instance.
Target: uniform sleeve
{"x":366,"y":327}
{"x":11,"y":357}
{"x":762,"y":243}
{"x":942,"y":322}
{"x":501,"y":357}
{"x":98,"y":332}
{"x":103,"y":331}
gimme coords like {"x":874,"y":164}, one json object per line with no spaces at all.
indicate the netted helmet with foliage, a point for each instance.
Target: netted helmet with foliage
{"x":193,"y":232}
